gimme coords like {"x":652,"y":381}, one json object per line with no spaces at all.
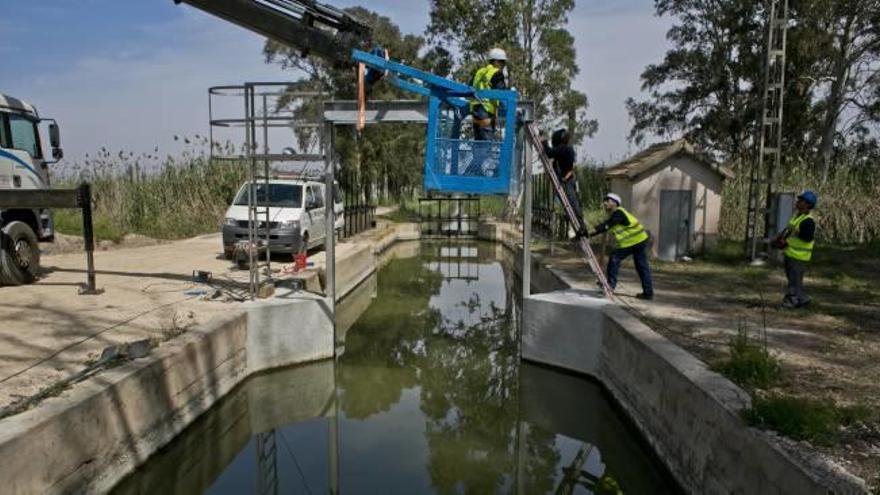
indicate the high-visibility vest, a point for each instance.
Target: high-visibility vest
{"x":483,"y":80}
{"x":629,"y":235}
{"x":796,"y":248}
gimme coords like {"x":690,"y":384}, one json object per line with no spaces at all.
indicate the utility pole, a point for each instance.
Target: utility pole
{"x":769,"y":160}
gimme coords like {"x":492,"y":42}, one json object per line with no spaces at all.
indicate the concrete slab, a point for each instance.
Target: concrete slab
{"x":564,"y":329}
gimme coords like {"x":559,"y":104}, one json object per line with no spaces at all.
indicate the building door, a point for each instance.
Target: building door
{"x":675,"y":224}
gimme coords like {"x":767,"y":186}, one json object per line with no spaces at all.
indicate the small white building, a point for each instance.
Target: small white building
{"x":675,"y":192}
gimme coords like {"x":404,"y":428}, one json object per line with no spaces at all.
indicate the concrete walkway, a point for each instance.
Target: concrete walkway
{"x":49,"y":332}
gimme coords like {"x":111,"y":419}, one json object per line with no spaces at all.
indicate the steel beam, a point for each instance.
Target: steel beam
{"x":57,"y":198}
{"x":345,"y":112}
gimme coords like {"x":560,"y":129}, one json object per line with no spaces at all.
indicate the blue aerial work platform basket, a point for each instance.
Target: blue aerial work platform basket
{"x":454,"y":161}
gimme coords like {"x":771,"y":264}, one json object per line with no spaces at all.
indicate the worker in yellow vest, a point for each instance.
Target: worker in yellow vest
{"x":485,"y":111}
{"x":631,"y":239}
{"x":797,"y":243}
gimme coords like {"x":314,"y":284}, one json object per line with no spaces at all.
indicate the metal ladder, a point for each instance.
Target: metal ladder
{"x":582,"y":242}
{"x":267,"y":463}
{"x":763,"y":173}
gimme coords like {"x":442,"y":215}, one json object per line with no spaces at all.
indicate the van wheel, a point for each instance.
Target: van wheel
{"x":305,"y":242}
{"x":20,"y":256}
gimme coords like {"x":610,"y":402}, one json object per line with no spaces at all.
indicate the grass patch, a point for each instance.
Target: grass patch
{"x":815,"y":420}
{"x":70,"y":222}
{"x":750,"y":364}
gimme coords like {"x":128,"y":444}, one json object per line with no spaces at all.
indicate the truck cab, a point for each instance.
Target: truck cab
{"x":23,"y":166}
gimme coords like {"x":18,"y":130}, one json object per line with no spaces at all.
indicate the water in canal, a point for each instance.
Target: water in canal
{"x":428,"y":396}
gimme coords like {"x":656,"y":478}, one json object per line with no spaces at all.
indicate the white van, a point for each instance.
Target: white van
{"x":296,"y":215}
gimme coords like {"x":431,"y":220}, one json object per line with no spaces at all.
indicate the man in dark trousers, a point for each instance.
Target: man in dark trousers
{"x":563,"y":156}
{"x":631,"y":240}
{"x":797,"y":240}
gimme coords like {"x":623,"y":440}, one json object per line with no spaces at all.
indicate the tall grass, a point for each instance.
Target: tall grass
{"x":168,"y":198}
{"x":848,"y":211}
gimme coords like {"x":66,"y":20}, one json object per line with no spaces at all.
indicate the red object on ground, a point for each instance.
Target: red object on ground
{"x":299,"y":261}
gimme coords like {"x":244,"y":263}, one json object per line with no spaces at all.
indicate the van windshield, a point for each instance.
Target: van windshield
{"x":279,"y":196}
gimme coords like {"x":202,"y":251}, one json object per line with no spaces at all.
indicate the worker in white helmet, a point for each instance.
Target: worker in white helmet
{"x":632,"y":239}
{"x":485,"y":111}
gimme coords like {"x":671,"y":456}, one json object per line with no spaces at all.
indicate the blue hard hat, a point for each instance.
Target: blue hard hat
{"x":809,"y":197}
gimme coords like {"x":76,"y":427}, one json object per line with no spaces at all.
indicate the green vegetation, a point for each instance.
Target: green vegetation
{"x":750,"y":364}
{"x":844,"y":217}
{"x":816,"y":420}
{"x":170,"y":199}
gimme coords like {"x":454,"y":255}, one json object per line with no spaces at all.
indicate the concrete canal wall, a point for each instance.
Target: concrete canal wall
{"x":690,"y":415}
{"x":87,"y":439}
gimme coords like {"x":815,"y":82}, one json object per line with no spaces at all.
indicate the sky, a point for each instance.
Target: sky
{"x":132,"y":74}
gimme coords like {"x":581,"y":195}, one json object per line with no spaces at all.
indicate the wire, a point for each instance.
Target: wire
{"x":90,"y":337}
{"x":655,"y":324}
{"x":295,"y":462}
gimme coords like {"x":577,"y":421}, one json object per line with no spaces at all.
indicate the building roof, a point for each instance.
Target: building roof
{"x":8,"y":103}
{"x":655,"y":155}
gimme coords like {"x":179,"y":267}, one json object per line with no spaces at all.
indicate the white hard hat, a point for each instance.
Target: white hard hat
{"x":497,"y":54}
{"x":614,"y":197}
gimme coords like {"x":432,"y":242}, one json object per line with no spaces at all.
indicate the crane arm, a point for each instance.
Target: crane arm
{"x":306,"y":25}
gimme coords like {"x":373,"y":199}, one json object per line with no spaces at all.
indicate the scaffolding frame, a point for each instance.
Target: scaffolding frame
{"x":769,"y":160}
{"x":258,"y":119}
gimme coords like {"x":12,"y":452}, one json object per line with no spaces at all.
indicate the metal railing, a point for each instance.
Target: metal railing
{"x":449,"y":216}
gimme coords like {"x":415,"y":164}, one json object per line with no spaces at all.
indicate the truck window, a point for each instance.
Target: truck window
{"x":279,"y":196}
{"x":4,"y":136}
{"x":24,"y":135}
{"x":319,"y":196}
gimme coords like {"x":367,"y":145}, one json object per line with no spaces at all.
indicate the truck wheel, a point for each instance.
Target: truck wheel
{"x":20,"y":256}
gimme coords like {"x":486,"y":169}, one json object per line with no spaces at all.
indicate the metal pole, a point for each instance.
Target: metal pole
{"x":266,"y":172}
{"x":527,"y":224}
{"x":329,"y":223}
{"x":252,"y":191}
{"x":85,"y":202}
{"x":210,"y":127}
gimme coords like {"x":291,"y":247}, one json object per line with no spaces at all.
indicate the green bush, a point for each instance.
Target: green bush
{"x":816,"y":420}
{"x":843,"y":218}
{"x":168,"y":198}
{"x":750,"y":364}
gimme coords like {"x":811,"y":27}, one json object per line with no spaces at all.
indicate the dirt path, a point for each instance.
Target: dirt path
{"x":831,"y":350}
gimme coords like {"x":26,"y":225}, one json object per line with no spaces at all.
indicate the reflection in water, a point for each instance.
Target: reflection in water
{"x":430,"y":398}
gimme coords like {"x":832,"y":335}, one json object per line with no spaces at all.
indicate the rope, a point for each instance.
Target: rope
{"x":90,"y":337}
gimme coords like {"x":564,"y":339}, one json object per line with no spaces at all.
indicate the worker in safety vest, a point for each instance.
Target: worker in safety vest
{"x":485,"y":111}
{"x":797,"y":243}
{"x":632,"y":239}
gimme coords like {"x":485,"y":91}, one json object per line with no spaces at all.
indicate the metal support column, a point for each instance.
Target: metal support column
{"x":527,"y":224}
{"x":330,"y":221}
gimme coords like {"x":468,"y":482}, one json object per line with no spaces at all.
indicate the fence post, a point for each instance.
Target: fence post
{"x":84,"y":198}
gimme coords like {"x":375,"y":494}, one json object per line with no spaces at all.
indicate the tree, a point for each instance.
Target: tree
{"x":709,"y":86}
{"x":381,"y":161}
{"x":540,"y":48}
{"x":849,"y":31}
{"x":706,"y":87}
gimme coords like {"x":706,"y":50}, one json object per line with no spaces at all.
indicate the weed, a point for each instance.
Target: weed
{"x":175,"y":327}
{"x":750,"y":364}
{"x":816,"y":420}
